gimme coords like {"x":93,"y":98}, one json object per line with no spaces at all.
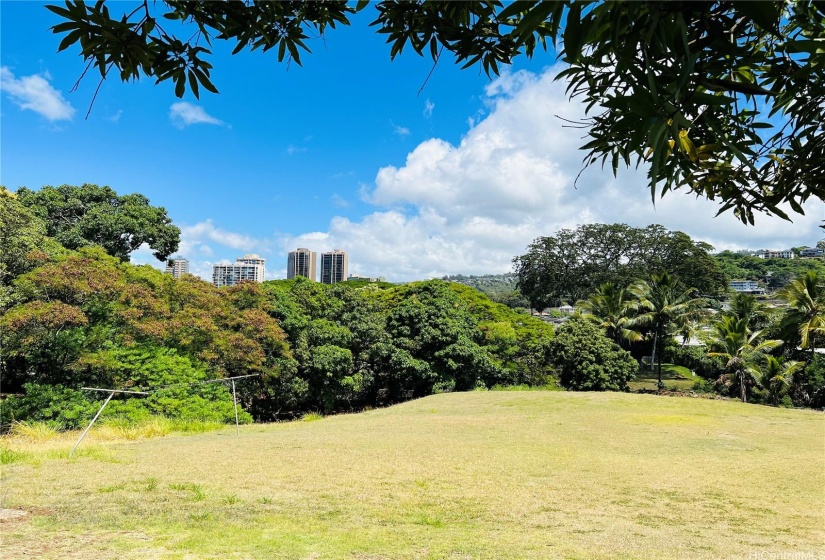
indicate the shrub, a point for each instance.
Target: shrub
{"x":695,"y":359}
{"x":808,"y":386}
{"x":63,"y":407}
{"x":589,"y":361}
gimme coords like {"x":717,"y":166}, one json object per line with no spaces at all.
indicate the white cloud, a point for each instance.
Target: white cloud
{"x":292,"y":149}
{"x":35,"y":93}
{"x":183,"y":114}
{"x":340,"y":201}
{"x":116,"y":117}
{"x":196,"y":235}
{"x":201,"y":243}
{"x":400,"y":130}
{"x":469,"y":208}
{"x":428,"y":108}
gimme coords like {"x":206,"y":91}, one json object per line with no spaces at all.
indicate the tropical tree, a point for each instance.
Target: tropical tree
{"x":746,"y":306}
{"x":662,"y":301}
{"x":572,"y":263}
{"x":92,"y":215}
{"x":743,"y":350}
{"x":612,"y":308}
{"x":806,"y":309}
{"x":690,"y":88}
{"x":777,"y":376}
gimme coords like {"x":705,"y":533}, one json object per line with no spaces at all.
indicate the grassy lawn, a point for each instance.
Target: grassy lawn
{"x":674,"y":377}
{"x":494,"y":475}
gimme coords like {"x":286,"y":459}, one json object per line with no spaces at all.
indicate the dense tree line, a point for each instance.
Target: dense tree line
{"x":75,"y":318}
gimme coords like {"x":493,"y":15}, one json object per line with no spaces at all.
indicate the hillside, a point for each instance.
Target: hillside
{"x":493,"y":475}
{"x":487,"y":283}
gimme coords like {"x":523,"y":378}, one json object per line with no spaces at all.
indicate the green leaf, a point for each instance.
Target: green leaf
{"x":764,"y":14}
{"x":204,"y":80}
{"x":70,"y":39}
{"x":180,"y":85}
{"x":193,"y":84}
{"x":573,"y":33}
{"x":703,"y":98}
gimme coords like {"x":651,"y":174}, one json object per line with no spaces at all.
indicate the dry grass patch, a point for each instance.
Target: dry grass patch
{"x":475,"y":475}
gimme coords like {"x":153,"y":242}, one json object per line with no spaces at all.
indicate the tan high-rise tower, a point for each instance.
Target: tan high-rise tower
{"x":301,"y":262}
{"x":334,"y":266}
{"x":177,"y":267}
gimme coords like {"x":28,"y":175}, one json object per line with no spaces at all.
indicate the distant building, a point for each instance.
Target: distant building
{"x":811,"y":252}
{"x":767,"y":254}
{"x":177,"y":267}
{"x":334,"y":266}
{"x":301,"y":262}
{"x":356,"y":277}
{"x":746,"y":287}
{"x":249,"y":267}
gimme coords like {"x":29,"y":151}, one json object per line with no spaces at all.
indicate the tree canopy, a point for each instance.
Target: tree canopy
{"x":720,"y":98}
{"x":91,"y":215}
{"x":572,"y":264}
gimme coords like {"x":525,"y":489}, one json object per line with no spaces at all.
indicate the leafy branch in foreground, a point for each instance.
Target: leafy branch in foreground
{"x":722,"y":98}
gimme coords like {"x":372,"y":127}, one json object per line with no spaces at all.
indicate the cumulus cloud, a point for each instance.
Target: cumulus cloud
{"x":428,"y":108}
{"x":35,"y":93}
{"x":183,"y":114}
{"x":469,"y":208}
{"x":197,"y":235}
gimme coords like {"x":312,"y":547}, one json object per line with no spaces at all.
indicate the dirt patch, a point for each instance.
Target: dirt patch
{"x":8,"y":515}
{"x":12,"y":514}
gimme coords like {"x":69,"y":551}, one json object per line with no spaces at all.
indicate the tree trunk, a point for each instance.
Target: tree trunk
{"x":742,"y":392}
{"x":658,"y":360}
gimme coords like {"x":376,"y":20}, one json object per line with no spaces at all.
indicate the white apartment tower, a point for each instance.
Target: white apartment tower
{"x":334,"y":266}
{"x":249,"y":267}
{"x":301,"y":262}
{"x":177,"y":267}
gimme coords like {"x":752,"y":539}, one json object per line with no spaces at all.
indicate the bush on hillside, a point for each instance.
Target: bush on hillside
{"x":589,"y":361}
{"x":695,"y":359}
{"x":175,"y":384}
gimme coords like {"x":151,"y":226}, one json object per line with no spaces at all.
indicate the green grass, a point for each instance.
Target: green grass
{"x":675,"y":378}
{"x":487,"y":475}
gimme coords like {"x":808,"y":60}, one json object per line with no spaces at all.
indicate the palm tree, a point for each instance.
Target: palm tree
{"x":746,"y":306}
{"x":777,"y":376}
{"x":805,"y":316}
{"x":611,"y":308}
{"x":661,"y":301}
{"x":735,"y":342}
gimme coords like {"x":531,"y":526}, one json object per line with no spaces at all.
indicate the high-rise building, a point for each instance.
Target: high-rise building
{"x":334,"y":266}
{"x":248,"y":267}
{"x":301,"y":262}
{"x":177,"y":267}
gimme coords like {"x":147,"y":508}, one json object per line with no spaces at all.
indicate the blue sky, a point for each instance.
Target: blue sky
{"x":343,"y":152}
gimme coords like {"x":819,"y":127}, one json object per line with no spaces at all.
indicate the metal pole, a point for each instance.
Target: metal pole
{"x":86,"y":431}
{"x":235,"y":400}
